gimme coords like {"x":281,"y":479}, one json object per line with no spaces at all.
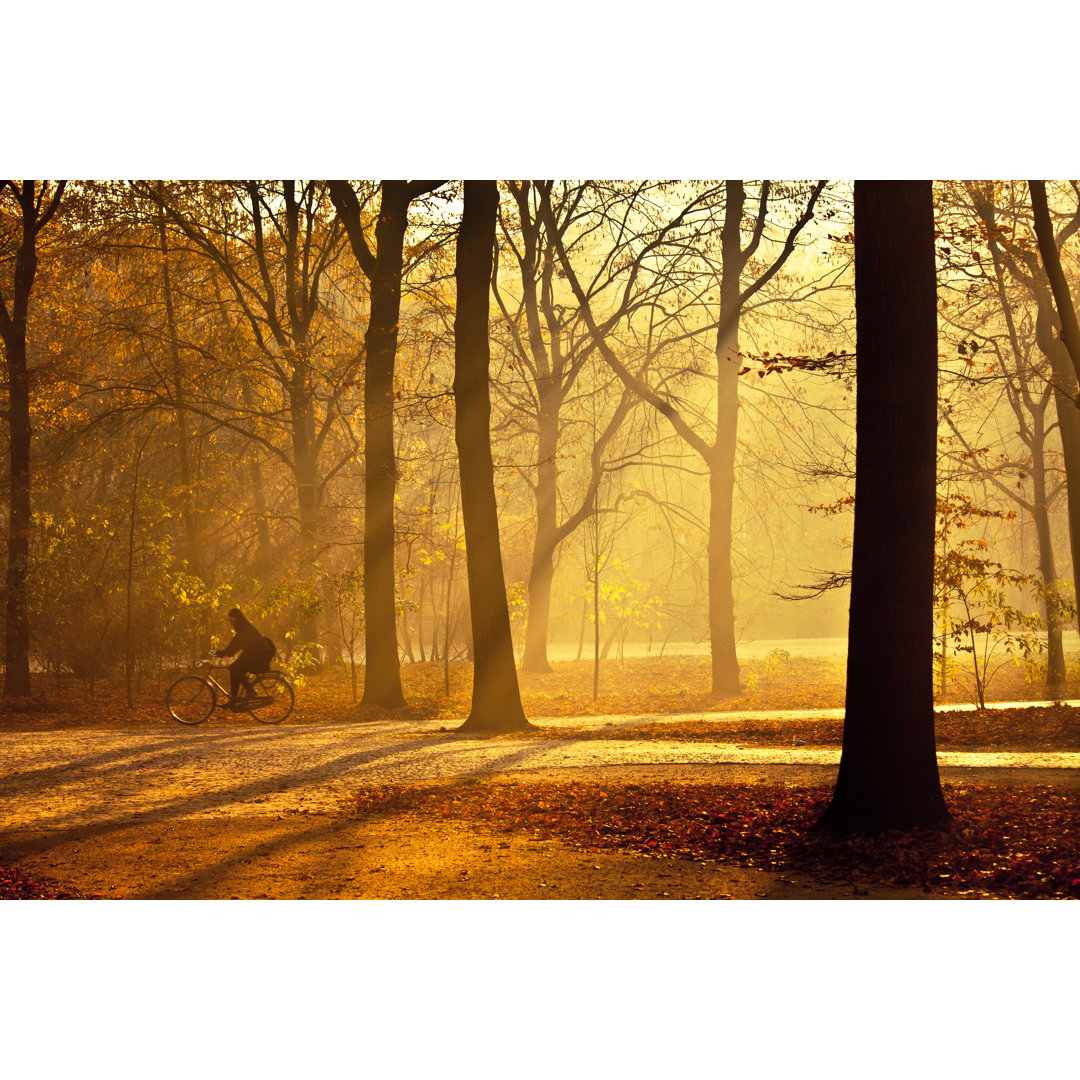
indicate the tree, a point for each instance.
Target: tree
{"x":998,"y":331}
{"x":36,"y":206}
{"x":202,"y":343}
{"x":496,"y":701}
{"x":550,"y":349}
{"x":269,"y":247}
{"x":1069,"y":327}
{"x":382,"y":679}
{"x":741,"y":278}
{"x":888,"y":776}
{"x":1056,"y":311}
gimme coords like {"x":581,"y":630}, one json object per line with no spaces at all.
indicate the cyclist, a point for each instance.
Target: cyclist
{"x":255,"y":649}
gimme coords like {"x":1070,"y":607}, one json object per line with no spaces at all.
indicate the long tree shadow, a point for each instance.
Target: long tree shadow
{"x":22,"y":779}
{"x":55,"y":832}
{"x":212,"y":873}
{"x":215,"y":872}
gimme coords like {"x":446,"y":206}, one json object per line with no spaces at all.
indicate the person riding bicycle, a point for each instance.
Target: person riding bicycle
{"x":255,"y":649}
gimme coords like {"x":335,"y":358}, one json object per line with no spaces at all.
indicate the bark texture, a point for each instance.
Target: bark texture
{"x":888,"y":777}
{"x":496,"y":701}
{"x":382,"y":677}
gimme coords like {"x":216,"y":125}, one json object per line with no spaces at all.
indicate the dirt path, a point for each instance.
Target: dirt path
{"x":248,"y":813}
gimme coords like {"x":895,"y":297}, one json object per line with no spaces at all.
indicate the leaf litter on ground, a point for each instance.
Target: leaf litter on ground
{"x":1007,"y":841}
{"x":1018,"y":842}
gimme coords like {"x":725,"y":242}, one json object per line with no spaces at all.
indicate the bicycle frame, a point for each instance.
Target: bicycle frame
{"x":268,"y":695}
{"x":204,"y":669}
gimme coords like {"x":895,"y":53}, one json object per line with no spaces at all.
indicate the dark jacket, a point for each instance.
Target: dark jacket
{"x":247,"y":641}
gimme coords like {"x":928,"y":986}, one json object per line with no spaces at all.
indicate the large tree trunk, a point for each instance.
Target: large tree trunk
{"x":17,"y":654}
{"x":382,"y":681}
{"x":888,"y":776}
{"x":496,"y":701}
{"x":13,"y":322}
{"x":721,"y":460}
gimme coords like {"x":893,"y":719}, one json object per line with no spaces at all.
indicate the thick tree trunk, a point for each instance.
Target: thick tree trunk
{"x":382,"y":683}
{"x":496,"y":702}
{"x":721,"y":458}
{"x":888,"y":776}
{"x":13,"y":323}
{"x":17,"y":653}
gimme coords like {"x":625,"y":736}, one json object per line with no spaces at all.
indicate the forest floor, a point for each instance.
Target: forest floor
{"x":655,"y":791}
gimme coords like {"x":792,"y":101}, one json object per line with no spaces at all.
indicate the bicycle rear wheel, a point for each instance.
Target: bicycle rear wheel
{"x":191,"y":700}
{"x":272,"y":698}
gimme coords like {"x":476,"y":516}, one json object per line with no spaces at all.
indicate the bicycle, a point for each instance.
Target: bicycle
{"x":192,"y":699}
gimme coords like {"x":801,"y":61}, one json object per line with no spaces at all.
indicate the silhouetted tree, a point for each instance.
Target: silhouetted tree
{"x":382,"y":678}
{"x":888,"y":776}
{"x":1068,"y":326}
{"x":1027,"y":380}
{"x":1011,"y":252}
{"x":496,"y":701}
{"x":36,"y":205}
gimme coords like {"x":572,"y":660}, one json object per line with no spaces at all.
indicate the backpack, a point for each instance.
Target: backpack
{"x":271,"y":648}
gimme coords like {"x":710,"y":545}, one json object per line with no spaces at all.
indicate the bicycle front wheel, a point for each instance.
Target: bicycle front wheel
{"x":191,"y":700}
{"x":272,"y":698}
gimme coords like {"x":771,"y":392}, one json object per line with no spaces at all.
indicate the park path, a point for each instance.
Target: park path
{"x":61,"y":780}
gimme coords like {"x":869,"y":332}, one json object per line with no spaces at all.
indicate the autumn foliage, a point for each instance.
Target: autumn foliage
{"x":1006,"y":841}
